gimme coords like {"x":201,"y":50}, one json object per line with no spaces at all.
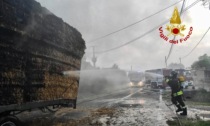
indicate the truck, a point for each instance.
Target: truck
{"x":36,"y":47}
{"x":158,"y":83}
{"x":136,"y":78}
{"x":155,"y":77}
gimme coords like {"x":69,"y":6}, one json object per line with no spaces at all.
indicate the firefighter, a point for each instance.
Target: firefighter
{"x":176,"y":93}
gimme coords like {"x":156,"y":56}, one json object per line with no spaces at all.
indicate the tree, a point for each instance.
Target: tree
{"x":203,"y":62}
{"x":115,"y":66}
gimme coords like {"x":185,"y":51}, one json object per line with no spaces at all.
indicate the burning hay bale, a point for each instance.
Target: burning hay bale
{"x":35,"y":48}
{"x":59,"y":87}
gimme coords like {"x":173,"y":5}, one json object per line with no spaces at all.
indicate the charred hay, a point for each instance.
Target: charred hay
{"x":35,"y":48}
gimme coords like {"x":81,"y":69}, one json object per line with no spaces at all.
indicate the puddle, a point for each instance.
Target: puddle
{"x":75,"y":115}
{"x":205,"y":116}
{"x":105,"y":100}
{"x":132,"y":103}
{"x":160,"y":98}
{"x":202,"y":114}
{"x":67,"y":114}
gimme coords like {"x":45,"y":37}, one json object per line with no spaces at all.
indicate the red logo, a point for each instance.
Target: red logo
{"x":175,"y":28}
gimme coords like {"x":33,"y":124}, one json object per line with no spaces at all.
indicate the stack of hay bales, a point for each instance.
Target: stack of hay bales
{"x":35,"y":48}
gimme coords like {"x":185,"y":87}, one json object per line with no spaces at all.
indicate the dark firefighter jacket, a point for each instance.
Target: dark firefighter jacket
{"x":175,"y":87}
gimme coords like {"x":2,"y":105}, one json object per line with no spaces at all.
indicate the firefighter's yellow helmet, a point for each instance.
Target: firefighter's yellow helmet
{"x":181,"y":78}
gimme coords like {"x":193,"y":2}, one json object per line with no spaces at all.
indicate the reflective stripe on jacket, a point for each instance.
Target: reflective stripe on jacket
{"x":167,"y":80}
{"x":178,"y":93}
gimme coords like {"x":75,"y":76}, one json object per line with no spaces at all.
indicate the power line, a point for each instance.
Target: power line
{"x":197,"y":44}
{"x":192,"y":4}
{"x":133,"y":39}
{"x":144,"y":33}
{"x":132,"y":23}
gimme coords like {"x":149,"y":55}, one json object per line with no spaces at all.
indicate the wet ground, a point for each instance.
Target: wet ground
{"x":141,"y":107}
{"x":131,"y":106}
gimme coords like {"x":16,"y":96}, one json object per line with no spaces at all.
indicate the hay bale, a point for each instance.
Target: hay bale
{"x":35,"y":48}
{"x":57,"y":87}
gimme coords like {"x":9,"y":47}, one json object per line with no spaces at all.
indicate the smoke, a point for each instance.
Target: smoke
{"x":32,"y":22}
{"x":95,"y":82}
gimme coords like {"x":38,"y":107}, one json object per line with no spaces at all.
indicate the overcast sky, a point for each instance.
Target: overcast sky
{"x":95,"y":18}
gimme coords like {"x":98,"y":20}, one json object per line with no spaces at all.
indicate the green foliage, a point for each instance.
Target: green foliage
{"x":203,"y":62}
{"x":189,"y":123}
{"x":201,"y":96}
{"x":115,"y":66}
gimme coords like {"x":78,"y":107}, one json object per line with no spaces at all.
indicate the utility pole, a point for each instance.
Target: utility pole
{"x":206,"y":3}
{"x":94,"y":59}
{"x":166,"y":61}
{"x":180,"y":60}
{"x":209,"y":4}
